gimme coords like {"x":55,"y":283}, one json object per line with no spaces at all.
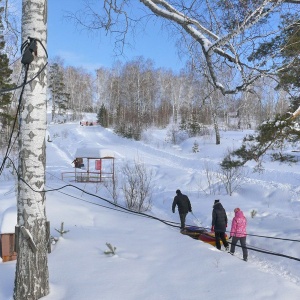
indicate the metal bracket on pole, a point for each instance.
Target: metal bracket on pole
{"x":29,"y":238}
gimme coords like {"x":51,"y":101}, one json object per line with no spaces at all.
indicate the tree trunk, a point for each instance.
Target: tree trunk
{"x":31,"y":278}
{"x":216,"y":127}
{"x":215,"y":121}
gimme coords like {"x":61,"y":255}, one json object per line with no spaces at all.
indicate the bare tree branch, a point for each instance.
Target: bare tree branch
{"x":207,"y":34}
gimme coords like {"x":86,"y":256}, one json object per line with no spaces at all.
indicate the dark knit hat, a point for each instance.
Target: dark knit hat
{"x":178,"y":192}
{"x":217,"y":201}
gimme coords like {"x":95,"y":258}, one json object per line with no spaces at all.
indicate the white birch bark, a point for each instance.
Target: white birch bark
{"x":31,"y":279}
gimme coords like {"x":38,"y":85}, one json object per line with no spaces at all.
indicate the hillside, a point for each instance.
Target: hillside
{"x":154,"y":261}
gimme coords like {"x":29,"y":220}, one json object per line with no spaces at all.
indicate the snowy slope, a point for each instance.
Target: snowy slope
{"x":154,"y":261}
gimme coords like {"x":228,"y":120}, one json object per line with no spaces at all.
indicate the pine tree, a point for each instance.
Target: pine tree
{"x":290,"y":74}
{"x":6,"y":115}
{"x":271,"y":137}
{"x":102,"y":116}
{"x":289,"y":42}
{"x":59,"y":97}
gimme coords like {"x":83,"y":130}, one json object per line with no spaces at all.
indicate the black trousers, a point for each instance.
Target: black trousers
{"x":182,"y":220}
{"x":243,"y":244}
{"x":220,"y":236}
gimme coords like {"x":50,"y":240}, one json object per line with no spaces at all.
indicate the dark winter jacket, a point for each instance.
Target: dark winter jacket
{"x":183,"y":203}
{"x":219,"y":218}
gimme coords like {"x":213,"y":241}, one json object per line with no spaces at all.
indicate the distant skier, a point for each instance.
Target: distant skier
{"x":184,"y":206}
{"x":238,"y":232}
{"x":219,"y":224}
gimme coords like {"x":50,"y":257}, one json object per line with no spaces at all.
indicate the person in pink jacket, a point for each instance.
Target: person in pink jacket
{"x":238,"y":232}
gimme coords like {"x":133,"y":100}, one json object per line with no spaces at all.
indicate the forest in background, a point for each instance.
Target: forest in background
{"x":133,"y":96}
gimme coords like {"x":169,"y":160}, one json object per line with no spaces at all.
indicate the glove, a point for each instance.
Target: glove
{"x":212,"y":228}
{"x":173,"y":211}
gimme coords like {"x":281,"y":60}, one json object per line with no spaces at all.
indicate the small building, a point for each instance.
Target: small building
{"x":92,"y":164}
{"x":7,"y":236}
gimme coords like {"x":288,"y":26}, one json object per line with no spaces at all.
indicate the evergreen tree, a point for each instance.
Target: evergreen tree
{"x":59,"y":97}
{"x":290,"y":74}
{"x":295,"y":102}
{"x":289,"y":44}
{"x":6,"y":115}
{"x":102,"y":116}
{"x":271,"y":137}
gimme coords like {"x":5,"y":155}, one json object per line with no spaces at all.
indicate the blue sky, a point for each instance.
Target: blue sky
{"x":80,"y":49}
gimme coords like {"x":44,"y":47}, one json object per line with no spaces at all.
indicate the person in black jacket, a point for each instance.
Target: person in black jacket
{"x":219,"y":224}
{"x":184,"y":206}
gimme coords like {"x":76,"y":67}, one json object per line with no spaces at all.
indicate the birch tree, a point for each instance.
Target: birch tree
{"x":79,"y":85}
{"x":164,"y":104}
{"x":31,"y":278}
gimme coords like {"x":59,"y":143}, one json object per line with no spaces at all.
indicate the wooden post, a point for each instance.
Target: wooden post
{"x":29,"y":238}
{"x":7,"y":247}
{"x":17,"y":232}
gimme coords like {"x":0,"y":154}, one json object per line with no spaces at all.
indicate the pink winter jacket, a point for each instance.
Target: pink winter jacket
{"x":239,"y":224}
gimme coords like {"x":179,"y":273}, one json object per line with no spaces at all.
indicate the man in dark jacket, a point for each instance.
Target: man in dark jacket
{"x":184,"y":206}
{"x":219,"y":224}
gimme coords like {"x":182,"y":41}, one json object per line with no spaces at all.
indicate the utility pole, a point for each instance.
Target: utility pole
{"x":32,"y":276}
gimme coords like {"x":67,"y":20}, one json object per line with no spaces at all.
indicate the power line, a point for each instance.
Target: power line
{"x":12,"y":63}
{"x":29,"y":47}
{"x":272,"y":237}
{"x":256,"y":249}
{"x":25,"y":83}
{"x":126,"y":210}
{"x":14,"y":124}
{"x":168,"y":223}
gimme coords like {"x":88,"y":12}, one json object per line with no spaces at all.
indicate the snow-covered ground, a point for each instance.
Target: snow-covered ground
{"x":153,"y":260}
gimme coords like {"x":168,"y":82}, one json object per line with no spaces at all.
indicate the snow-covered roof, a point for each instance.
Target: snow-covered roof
{"x":9,"y":220}
{"x":93,"y":152}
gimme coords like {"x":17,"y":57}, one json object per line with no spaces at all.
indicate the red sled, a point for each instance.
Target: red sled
{"x":201,"y":234}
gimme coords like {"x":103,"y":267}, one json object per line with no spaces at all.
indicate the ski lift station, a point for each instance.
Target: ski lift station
{"x":92,"y":164}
